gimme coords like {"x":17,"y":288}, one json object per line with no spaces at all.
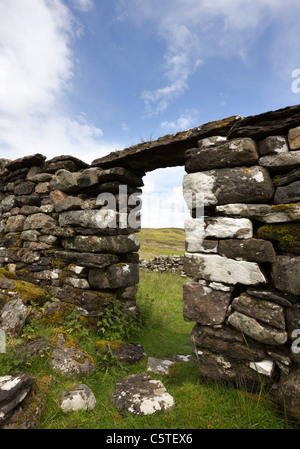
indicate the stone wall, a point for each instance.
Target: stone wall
{"x":244,"y":257}
{"x":243,"y":254}
{"x":169,"y":264}
{"x":58,"y":234}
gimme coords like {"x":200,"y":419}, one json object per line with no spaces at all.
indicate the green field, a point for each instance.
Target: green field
{"x":161,"y":242}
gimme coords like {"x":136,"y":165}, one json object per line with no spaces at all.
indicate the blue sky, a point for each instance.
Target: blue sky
{"x":87,"y":77}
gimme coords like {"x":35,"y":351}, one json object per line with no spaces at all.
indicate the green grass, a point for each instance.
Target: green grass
{"x":163,"y":242}
{"x":200,"y":404}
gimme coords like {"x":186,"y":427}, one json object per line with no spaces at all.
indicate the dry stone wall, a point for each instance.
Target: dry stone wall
{"x":244,"y":256}
{"x":58,"y":231}
{"x":57,"y":234}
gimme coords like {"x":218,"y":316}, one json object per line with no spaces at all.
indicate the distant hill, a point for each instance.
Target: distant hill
{"x":164,"y":242}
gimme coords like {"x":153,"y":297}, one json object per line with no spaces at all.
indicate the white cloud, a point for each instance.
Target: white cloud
{"x":193,"y":31}
{"x":83,"y":5}
{"x":185,"y":121}
{"x":37,"y":69}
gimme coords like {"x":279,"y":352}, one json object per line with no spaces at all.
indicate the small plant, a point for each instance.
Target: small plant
{"x":114,"y":324}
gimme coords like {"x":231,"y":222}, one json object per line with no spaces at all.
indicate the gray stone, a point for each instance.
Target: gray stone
{"x":13,"y":391}
{"x":126,"y":352}
{"x":39,"y":221}
{"x":211,"y":141}
{"x":289,"y":394}
{"x":288,"y":194}
{"x":228,"y":185}
{"x":65,"y":181}
{"x":237,"y":152}
{"x":292,"y":318}
{"x":273,"y":144}
{"x":262,"y":212}
{"x":87,"y":259}
{"x":13,"y":316}
{"x":253,"y":250}
{"x":79,"y":398}
{"x":228,"y":341}
{"x":288,"y":178}
{"x":204,"y":305}
{"x":140,"y":394}
{"x":162,"y":365}
{"x":24,"y":188}
{"x":8,"y":203}
{"x":223,"y":368}
{"x":225,"y":227}
{"x":216,"y":268}
{"x":294,"y":138}
{"x":64,"y":162}
{"x":70,"y":203}
{"x":115,"y":276}
{"x":256,"y":330}
{"x":282,"y":161}
{"x":265,"y":311}
{"x":68,"y":358}
{"x":27,"y":161}
{"x":29,"y":200}
{"x":285,"y":273}
{"x":120,"y":244}
{"x":271,"y":294}
{"x":89,"y":218}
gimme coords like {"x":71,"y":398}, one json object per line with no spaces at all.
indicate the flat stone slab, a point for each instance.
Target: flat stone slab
{"x":140,"y":394}
{"x":162,"y":365}
{"x":13,"y":390}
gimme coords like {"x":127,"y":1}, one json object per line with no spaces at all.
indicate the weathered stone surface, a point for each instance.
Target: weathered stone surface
{"x":293,"y":318}
{"x":224,"y":227}
{"x":112,"y":245}
{"x":27,"y":161}
{"x":140,"y":394}
{"x":42,"y":188}
{"x":211,"y":141}
{"x":288,"y":194}
{"x":163,"y":365}
{"x":65,"y":181}
{"x":262,"y":212}
{"x":13,"y":391}
{"x":265,"y":367}
{"x":15,"y":223}
{"x":13,"y":316}
{"x":285,"y":273}
{"x":121,"y":175}
{"x":89,"y":218}
{"x":24,"y":188}
{"x":282,"y":161}
{"x":87,"y":259}
{"x":294,"y":138}
{"x":64,"y":162}
{"x":289,"y":394}
{"x":273,"y":144}
{"x":68,"y":358}
{"x":271,"y":294}
{"x":29,"y":414}
{"x":39,"y":221}
{"x":126,"y":352}
{"x":91,"y":301}
{"x":80,"y":397}
{"x":225,"y":186}
{"x":115,"y":276}
{"x":221,"y":269}
{"x":256,"y":330}
{"x":267,"y":124}
{"x":288,"y":178}
{"x":69,"y":203}
{"x":29,"y":200}
{"x":8,"y":203}
{"x":253,"y":250}
{"x":149,"y":156}
{"x":221,"y":367}
{"x":265,"y":311}
{"x":204,"y":305}
{"x":228,"y":341}
{"x":237,"y":152}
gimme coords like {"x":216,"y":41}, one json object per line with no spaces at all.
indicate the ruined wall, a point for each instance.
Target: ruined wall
{"x":244,"y":257}
{"x":56,"y":233}
{"x":243,"y":254}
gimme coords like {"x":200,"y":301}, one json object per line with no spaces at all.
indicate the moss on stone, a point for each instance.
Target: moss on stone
{"x":287,"y":235}
{"x":31,"y":293}
{"x":4,"y":273}
{"x":103,"y":345}
{"x":285,"y":207}
{"x":69,"y":342}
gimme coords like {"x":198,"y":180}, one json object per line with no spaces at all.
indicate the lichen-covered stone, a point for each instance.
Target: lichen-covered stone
{"x":140,"y":394}
{"x":79,"y":398}
{"x":286,"y":235}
